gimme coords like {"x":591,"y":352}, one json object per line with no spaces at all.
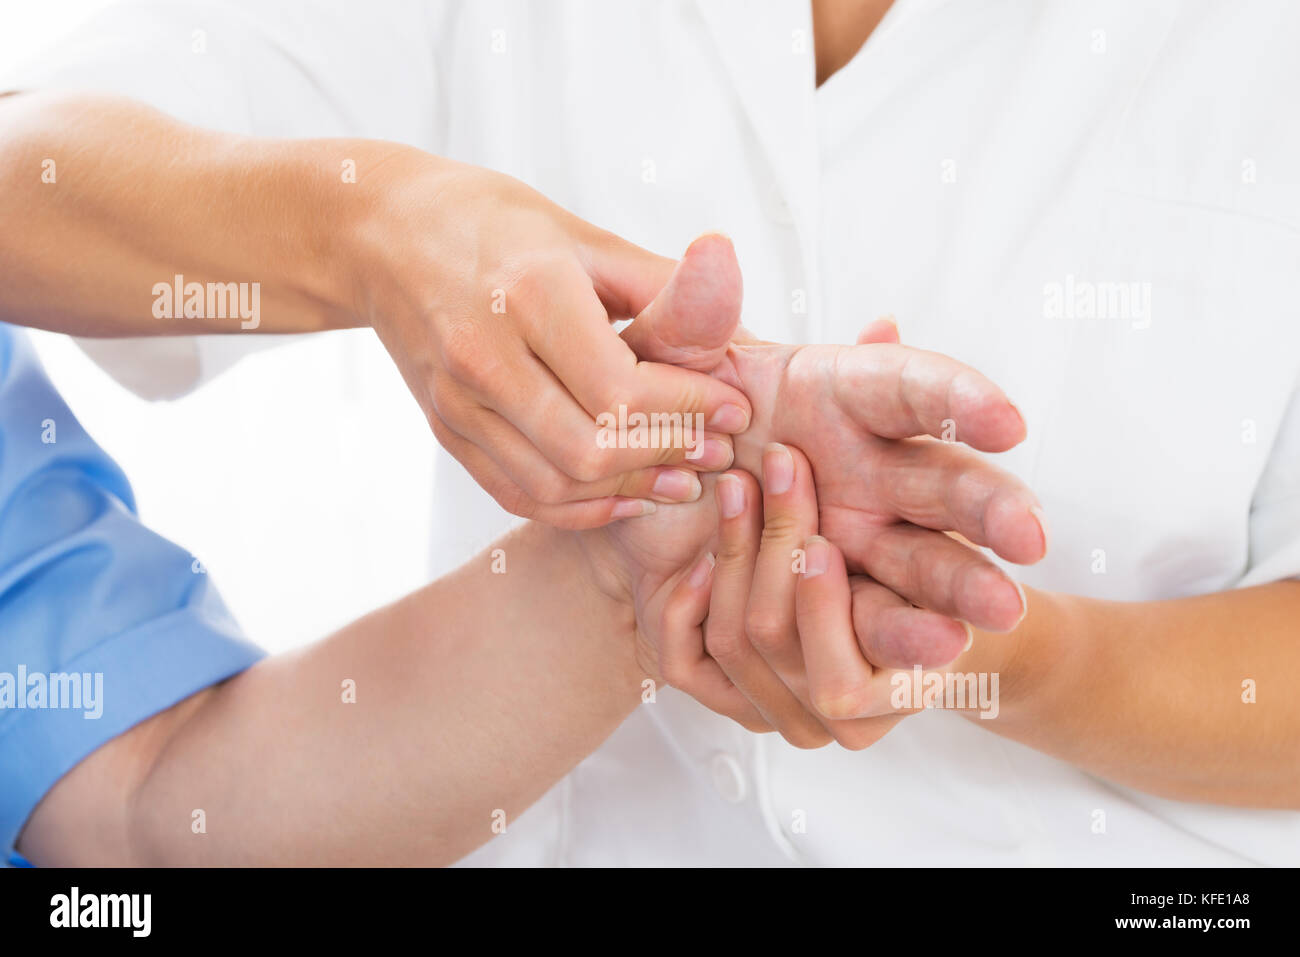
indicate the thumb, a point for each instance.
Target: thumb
{"x":693,"y":318}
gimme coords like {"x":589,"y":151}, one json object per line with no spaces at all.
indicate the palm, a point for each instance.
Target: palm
{"x":867,"y":416}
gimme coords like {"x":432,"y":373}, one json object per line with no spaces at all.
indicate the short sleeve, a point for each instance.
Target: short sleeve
{"x":286,"y":68}
{"x":102,"y":622}
{"x":1275,"y":508}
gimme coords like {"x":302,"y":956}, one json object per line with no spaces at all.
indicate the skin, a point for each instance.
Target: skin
{"x":494,"y":303}
{"x":578,"y":621}
{"x":1148,"y":694}
{"x":514,"y":394}
{"x":840,"y":27}
{"x":1156,"y":712}
{"x":594,"y":612}
{"x":1145,"y":694}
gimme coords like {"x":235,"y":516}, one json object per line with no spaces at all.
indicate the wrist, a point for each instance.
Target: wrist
{"x":366,"y":220}
{"x":588,"y":579}
{"x":1027,"y":660}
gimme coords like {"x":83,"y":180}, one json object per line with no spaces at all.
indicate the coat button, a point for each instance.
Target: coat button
{"x":728,"y":778}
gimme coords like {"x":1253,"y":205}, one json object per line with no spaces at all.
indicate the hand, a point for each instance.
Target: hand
{"x":662,"y":566}
{"x":767,"y":571}
{"x":701,"y":578}
{"x":497,"y":306}
{"x":857,"y":680}
{"x":864,"y":415}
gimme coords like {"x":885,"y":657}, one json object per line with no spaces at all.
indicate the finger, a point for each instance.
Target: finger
{"x":530,"y":470}
{"x":932,"y":570}
{"x":693,"y":319}
{"x":540,"y":407}
{"x":893,"y":634}
{"x":568,"y":329}
{"x":839,"y":677}
{"x":849,"y":694}
{"x":726,"y":639}
{"x":593,"y":513}
{"x":947,"y":487}
{"x":626,"y":277}
{"x":883,"y":329}
{"x":683,"y":661}
{"x":789,"y":504}
{"x":897,"y":391}
{"x":789,"y":518}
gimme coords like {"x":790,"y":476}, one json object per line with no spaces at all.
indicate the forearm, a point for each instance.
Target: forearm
{"x":472,"y":697}
{"x":108,"y":201}
{"x":1154,"y":695}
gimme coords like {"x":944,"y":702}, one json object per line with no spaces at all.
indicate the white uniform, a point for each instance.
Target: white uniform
{"x":1097,"y":205}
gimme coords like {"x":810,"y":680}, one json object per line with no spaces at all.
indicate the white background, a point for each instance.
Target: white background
{"x":301,"y":478}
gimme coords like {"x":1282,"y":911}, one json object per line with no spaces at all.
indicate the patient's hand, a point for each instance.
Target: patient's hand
{"x":864,"y":415}
{"x":686,"y":563}
{"x":692,"y":576}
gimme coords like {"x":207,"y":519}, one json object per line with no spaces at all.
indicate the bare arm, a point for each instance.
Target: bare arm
{"x":112,"y":197}
{"x":1154,"y":695}
{"x":472,"y":695}
{"x":494,"y":303}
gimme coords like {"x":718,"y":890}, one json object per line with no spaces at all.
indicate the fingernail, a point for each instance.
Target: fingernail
{"x":701,"y":572}
{"x":1016,"y":409}
{"x":778,"y":469}
{"x":632,"y":508}
{"x":711,"y":454}
{"x":1024,"y":602}
{"x":816,"y":556}
{"x":1041,"y":516}
{"x":730,"y":419}
{"x":970,"y":637}
{"x":678,"y":485}
{"x":731,"y":496}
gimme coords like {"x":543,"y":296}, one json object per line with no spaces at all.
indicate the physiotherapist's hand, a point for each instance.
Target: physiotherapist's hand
{"x":497,"y":307}
{"x":772,"y":623}
{"x":731,"y":629}
{"x":867,"y":416}
{"x":855,"y":672}
{"x":711,"y":586}
{"x":685,"y":563}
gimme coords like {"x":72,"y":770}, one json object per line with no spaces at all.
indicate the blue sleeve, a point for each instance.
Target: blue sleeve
{"x":102,"y":622}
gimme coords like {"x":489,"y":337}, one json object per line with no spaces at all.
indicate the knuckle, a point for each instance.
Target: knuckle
{"x":724,"y":644}
{"x":548,"y":488}
{"x":446,"y":398}
{"x":676,"y":672}
{"x":515,"y":501}
{"x":781,"y":528}
{"x":765,"y":631}
{"x":856,"y":738}
{"x":462,"y":356}
{"x":532,"y":287}
{"x":585,"y":463}
{"x":808,"y":737}
{"x":677,"y":614}
{"x":733,"y":550}
{"x":755,"y":725}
